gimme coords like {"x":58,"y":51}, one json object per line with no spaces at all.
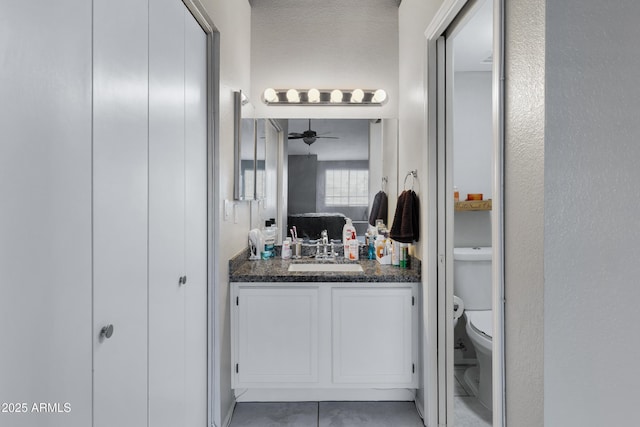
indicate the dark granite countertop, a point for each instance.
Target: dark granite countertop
{"x":276,"y":270}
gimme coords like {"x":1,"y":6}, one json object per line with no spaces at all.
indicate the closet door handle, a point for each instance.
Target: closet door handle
{"x":182,"y":280}
{"x":106,"y":331}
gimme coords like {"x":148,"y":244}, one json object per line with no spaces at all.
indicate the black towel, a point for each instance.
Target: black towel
{"x":406,"y":221}
{"x":379,"y":208}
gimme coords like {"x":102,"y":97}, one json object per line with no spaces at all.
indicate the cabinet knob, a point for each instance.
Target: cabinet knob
{"x":106,"y":331}
{"x":182,"y":280}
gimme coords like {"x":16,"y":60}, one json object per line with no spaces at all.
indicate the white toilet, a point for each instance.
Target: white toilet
{"x":472,"y":283}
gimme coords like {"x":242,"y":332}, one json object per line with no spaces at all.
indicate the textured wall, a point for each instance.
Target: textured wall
{"x":591,"y":213}
{"x":524,"y":206}
{"x":232,"y":19}
{"x":330,"y":44}
{"x":414,"y":16}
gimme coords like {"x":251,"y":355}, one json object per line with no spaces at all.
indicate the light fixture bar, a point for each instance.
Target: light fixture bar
{"x":341,"y":97}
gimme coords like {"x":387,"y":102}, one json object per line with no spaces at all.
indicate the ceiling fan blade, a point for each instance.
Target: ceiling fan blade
{"x":328,"y":137}
{"x":296,"y":137}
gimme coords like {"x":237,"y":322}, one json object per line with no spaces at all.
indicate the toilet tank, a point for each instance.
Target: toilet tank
{"x":472,"y":277}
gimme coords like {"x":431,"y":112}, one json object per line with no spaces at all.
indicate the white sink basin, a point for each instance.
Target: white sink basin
{"x":338,"y":268}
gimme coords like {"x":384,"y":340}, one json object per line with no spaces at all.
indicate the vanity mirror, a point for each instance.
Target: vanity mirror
{"x":337,"y":176}
{"x":244,"y":184}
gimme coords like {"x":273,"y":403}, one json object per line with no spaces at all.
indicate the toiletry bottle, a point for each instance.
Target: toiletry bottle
{"x":348,"y":233}
{"x":286,"y":248}
{"x":353,"y":250}
{"x":269,"y":237}
{"x":379,"y":246}
{"x":395,"y":254}
{"x":456,"y":194}
{"x":371,"y":250}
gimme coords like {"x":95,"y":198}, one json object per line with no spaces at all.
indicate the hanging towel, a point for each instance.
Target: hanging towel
{"x":406,"y":221}
{"x":379,"y":208}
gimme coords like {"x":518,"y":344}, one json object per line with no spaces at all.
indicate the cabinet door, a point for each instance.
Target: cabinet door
{"x":372,"y":336}
{"x":166,"y":214}
{"x":277,"y":339}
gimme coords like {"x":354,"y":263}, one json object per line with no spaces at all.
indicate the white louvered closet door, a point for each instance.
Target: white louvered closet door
{"x":120,"y":120}
{"x":196,"y":221}
{"x":177,"y":216}
{"x":45,"y":212}
{"x":166,"y":214}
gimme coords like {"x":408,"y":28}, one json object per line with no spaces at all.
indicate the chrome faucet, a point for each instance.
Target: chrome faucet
{"x":324,"y":237}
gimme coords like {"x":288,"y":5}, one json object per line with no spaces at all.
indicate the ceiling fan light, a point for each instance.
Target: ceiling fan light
{"x":379,"y":96}
{"x":313,"y":95}
{"x":270,"y":95}
{"x":293,"y":95}
{"x":357,"y":96}
{"x":336,"y":95}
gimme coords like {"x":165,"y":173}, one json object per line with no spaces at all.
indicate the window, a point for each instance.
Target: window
{"x":346,"y":187}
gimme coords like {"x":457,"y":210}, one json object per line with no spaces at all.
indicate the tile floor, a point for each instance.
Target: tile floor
{"x":467,"y":410}
{"x":326,"y":414}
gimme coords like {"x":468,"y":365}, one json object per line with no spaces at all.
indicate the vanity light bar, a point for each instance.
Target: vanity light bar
{"x":342,"y":97}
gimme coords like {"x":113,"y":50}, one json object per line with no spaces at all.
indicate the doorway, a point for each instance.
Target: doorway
{"x":465,"y":164}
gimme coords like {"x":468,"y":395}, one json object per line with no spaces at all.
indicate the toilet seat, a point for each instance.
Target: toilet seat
{"x":481,"y":321}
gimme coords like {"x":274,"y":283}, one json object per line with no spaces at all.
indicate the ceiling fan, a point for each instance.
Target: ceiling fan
{"x":309,"y":136}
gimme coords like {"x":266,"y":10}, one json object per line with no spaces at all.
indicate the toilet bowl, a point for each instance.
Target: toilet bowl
{"x":479,"y":378}
{"x":472,"y":284}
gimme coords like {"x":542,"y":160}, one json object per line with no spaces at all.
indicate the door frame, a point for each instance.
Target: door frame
{"x":213,"y":164}
{"x":438,"y":371}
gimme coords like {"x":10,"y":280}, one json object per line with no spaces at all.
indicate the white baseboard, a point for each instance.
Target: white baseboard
{"x":320,"y":395}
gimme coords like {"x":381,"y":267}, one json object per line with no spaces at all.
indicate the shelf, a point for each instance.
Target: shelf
{"x":473,"y":205}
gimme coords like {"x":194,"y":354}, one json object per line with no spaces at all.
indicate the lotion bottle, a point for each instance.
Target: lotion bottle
{"x":348,"y":233}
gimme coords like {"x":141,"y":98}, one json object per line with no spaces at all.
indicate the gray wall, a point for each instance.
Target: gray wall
{"x":302,"y":184}
{"x":524,"y":207}
{"x":591,"y":252}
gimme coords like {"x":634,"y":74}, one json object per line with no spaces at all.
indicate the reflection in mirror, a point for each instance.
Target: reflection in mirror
{"x":261,"y":152}
{"x":336,"y":173}
{"x":245,"y":149}
{"x":268,"y":146}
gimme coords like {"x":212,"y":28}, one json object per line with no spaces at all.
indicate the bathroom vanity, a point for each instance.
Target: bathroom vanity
{"x":323,"y":335}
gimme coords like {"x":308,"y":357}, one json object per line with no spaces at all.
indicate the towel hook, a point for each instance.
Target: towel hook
{"x":413,"y":174}
{"x":385,"y":180}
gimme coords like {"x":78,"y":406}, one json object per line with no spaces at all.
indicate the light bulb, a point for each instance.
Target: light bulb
{"x":336,"y":95}
{"x":293,"y":95}
{"x":313,"y":95}
{"x":270,"y":95}
{"x":379,"y":96}
{"x":357,"y":95}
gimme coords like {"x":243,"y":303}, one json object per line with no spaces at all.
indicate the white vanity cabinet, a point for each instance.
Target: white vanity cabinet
{"x":322,"y":341}
{"x":372,"y":335}
{"x":277,"y":335}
